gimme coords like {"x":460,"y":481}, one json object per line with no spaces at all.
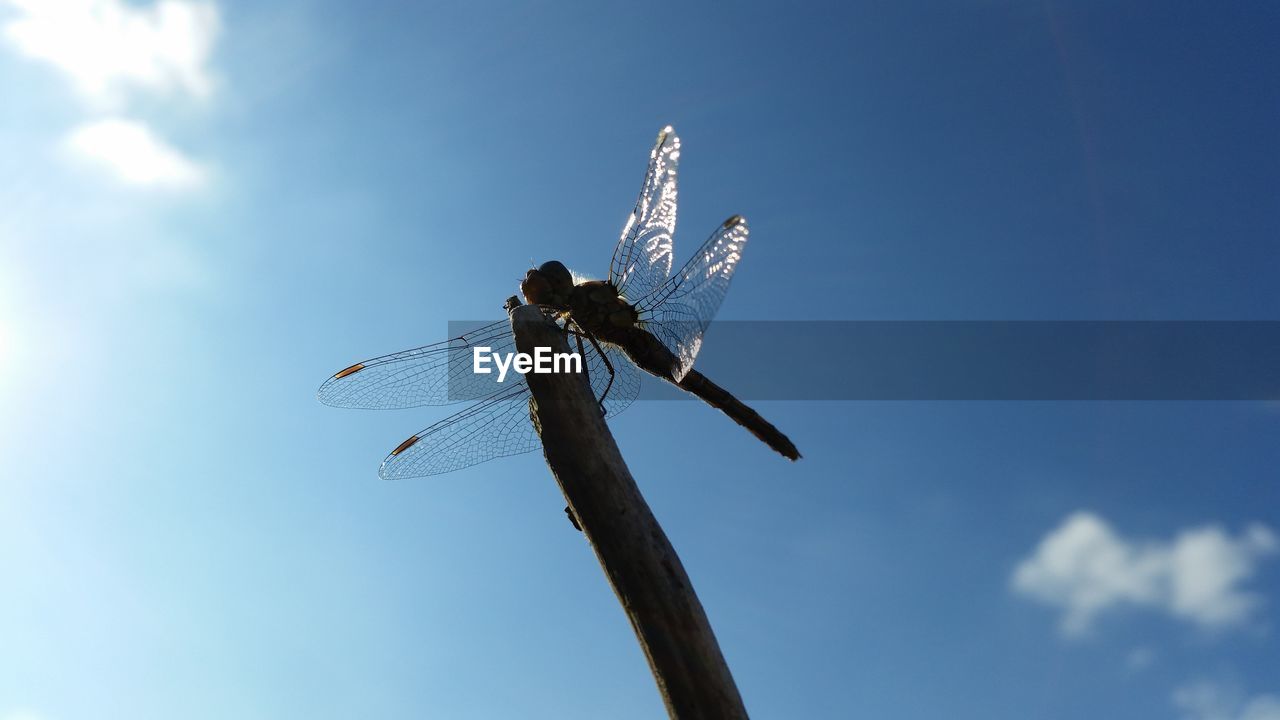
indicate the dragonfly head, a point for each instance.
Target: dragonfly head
{"x":547,"y":284}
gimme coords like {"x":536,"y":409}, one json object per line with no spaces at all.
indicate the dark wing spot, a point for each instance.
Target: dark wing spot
{"x":405,"y":445}
{"x":349,"y":371}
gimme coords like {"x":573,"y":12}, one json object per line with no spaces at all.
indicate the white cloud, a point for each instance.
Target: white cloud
{"x":1085,"y":568}
{"x":105,"y":46}
{"x":134,"y":155}
{"x":108,"y":47}
{"x":1209,"y":701}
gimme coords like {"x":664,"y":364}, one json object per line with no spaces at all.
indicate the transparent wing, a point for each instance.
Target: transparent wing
{"x":626,"y":376}
{"x":642,"y":257}
{"x":436,"y":374}
{"x":679,"y":312}
{"x":500,"y":425}
{"x":494,"y":428}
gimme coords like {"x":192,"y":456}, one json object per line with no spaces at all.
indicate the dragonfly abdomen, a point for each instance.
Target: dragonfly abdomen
{"x":648,"y":352}
{"x":645,"y":350}
{"x":716,"y":396}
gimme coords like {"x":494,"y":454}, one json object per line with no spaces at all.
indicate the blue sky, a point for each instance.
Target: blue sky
{"x":209,"y":207}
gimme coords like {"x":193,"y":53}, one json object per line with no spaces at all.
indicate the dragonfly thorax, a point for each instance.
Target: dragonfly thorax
{"x":596,"y":307}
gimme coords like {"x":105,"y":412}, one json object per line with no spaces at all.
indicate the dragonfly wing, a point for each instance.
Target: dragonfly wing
{"x":679,"y":312}
{"x":500,"y":425}
{"x":494,"y":428}
{"x":642,"y":257}
{"x":436,"y":374}
{"x":626,"y":376}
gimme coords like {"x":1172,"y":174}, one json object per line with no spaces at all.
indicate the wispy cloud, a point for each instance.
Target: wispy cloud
{"x":112,"y":50}
{"x":1085,"y":568}
{"x":133,"y":154}
{"x":108,"y":46}
{"x":1204,"y":700}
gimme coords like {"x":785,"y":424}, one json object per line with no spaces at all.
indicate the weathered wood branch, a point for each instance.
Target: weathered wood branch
{"x":636,"y":556}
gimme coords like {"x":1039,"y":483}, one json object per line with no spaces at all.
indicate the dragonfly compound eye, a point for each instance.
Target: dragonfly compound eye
{"x":536,"y":289}
{"x":557,"y":275}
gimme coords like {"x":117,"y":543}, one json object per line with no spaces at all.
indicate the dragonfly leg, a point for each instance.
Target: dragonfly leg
{"x":581,"y":333}
{"x":607,"y":366}
{"x":577,"y":335}
{"x":582,"y":353}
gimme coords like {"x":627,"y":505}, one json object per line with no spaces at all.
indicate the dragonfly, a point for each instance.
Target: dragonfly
{"x":643,"y":317}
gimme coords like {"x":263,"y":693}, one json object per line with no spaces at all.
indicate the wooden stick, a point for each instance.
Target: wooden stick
{"x":636,"y":556}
